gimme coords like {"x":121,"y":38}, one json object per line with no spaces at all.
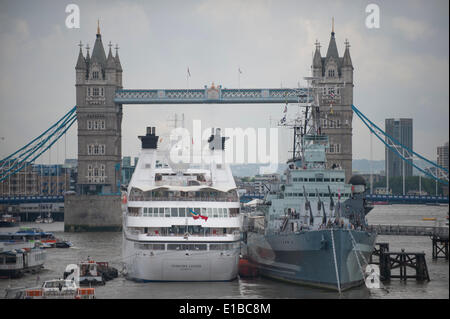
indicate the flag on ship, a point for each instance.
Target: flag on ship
{"x":197,"y":215}
{"x":189,"y":73}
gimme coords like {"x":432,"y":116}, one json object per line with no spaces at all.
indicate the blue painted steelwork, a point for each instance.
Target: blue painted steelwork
{"x":24,"y":156}
{"x":213,"y":95}
{"x":409,"y":199}
{"x":31,"y":199}
{"x":377,"y":130}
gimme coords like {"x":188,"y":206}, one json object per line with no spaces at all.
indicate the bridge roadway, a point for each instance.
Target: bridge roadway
{"x":390,"y":199}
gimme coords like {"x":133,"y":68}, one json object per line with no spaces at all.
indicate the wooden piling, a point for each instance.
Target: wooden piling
{"x":402,"y":261}
{"x":440,"y":247}
{"x":382,"y":247}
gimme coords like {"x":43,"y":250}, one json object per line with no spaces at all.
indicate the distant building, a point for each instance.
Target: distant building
{"x":382,"y":191}
{"x":442,"y":156}
{"x":442,"y":160}
{"x":402,"y":131}
{"x":262,"y":181}
{"x":127,"y":169}
{"x":38,"y":180}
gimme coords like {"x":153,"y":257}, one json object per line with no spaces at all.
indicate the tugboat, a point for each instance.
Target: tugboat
{"x":94,"y":273}
{"x":311,"y":228}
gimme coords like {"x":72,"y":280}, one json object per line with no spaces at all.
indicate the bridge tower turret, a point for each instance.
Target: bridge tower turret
{"x":336,"y":98}
{"x":99,"y":121}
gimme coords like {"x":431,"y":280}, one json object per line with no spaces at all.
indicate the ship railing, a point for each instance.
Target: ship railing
{"x":137,"y":233}
{"x":132,"y":214}
{"x":192,"y":235}
{"x":182,"y":183}
{"x":184,"y":199}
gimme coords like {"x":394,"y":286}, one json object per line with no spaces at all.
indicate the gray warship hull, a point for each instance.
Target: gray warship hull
{"x":307,"y":257}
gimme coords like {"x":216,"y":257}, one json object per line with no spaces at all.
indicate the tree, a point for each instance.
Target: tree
{"x":411,"y":184}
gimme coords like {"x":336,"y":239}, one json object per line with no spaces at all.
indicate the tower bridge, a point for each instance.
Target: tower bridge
{"x":100,"y":97}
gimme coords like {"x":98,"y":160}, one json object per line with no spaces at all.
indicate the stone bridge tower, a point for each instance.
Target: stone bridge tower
{"x":99,"y":141}
{"x":336,"y":99}
{"x":99,"y":120}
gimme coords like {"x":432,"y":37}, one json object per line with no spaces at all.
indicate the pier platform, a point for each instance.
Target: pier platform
{"x":440,"y":231}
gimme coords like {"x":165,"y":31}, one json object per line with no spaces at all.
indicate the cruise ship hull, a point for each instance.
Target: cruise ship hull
{"x":148,"y":266}
{"x":307,"y":258}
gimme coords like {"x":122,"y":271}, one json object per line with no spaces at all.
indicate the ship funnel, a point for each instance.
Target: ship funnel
{"x":150,"y":140}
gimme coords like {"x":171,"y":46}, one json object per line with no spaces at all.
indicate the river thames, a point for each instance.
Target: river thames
{"x":108,"y":247}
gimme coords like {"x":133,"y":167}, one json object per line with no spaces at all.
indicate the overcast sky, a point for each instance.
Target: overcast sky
{"x":401,"y":69}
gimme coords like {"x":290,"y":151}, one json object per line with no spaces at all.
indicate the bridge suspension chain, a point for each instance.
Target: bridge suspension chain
{"x":399,"y":149}
{"x":27,"y":154}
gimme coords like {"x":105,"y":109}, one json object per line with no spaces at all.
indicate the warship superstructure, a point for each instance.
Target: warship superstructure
{"x":311,"y":227}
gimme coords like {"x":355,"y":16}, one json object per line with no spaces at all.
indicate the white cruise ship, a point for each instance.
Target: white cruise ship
{"x":181,"y":224}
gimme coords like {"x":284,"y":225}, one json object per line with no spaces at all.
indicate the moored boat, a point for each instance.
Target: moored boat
{"x":8,"y":220}
{"x":53,"y":289}
{"x":19,"y":258}
{"x":181,"y":223}
{"x":311,"y":228}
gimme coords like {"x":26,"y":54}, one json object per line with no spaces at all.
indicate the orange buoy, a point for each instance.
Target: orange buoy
{"x":247,"y":269}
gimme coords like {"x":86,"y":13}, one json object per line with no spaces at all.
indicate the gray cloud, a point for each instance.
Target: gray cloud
{"x":401,"y":69}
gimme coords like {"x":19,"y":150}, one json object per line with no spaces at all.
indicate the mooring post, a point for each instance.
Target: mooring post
{"x":421,"y":268}
{"x":385,"y":266}
{"x":402,"y":265}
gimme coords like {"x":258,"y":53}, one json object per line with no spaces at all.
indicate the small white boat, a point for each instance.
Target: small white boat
{"x":48,"y":219}
{"x":59,"y":289}
{"x":39,"y":220}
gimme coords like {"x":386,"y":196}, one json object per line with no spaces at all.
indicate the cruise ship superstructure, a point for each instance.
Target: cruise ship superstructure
{"x":181,"y":223}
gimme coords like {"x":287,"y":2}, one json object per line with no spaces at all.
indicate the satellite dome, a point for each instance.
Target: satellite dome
{"x":357,"y":180}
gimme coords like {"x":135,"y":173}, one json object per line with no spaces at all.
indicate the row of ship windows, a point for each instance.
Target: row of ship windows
{"x":183,"y":212}
{"x":220,"y":246}
{"x":323,"y":195}
{"x":317,"y":179}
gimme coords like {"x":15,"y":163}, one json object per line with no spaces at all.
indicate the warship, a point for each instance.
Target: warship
{"x":311,"y":227}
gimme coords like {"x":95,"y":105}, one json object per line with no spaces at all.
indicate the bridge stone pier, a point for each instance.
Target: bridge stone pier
{"x":100,"y":96}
